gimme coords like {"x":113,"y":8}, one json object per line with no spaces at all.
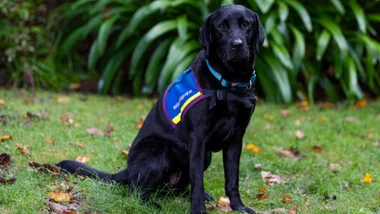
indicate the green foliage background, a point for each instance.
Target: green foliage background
{"x":327,"y":49}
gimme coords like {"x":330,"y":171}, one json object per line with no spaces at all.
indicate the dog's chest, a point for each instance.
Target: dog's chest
{"x":227,"y":124}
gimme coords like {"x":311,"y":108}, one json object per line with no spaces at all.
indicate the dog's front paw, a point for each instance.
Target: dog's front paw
{"x":243,"y":209}
{"x":198,"y":212}
{"x":208,"y":197}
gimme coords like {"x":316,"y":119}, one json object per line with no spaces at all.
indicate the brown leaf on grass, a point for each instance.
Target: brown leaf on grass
{"x":27,"y":122}
{"x":74,"y":86}
{"x":7,"y":181}
{"x":334,"y":167}
{"x":297,"y":122}
{"x":287,"y":199}
{"x":328,"y":105}
{"x":67,"y":119}
{"x":46,"y":168}
{"x":367,"y":178}
{"x":5,"y":137}
{"x":49,"y":140}
{"x":125,"y":152}
{"x":290,"y":153}
{"x":254,"y":148}
{"x":268,"y":117}
{"x":292,"y":211}
{"x":317,"y":149}
{"x":2,"y":102}
{"x":82,"y":159}
{"x":299,"y":134}
{"x":94,"y":131}
{"x":347,"y":185}
{"x":5,"y":161}
{"x":258,"y":166}
{"x":60,"y":196}
{"x":360,"y":104}
{"x":108,"y":130}
{"x":140,"y":123}
{"x":284,"y":112}
{"x":352,"y":119}
{"x":271,"y":179}
{"x":262,"y":196}
{"x":304,"y":106}
{"x":72,"y":207}
{"x":224,"y":204}
{"x":63,"y":99}
{"x":37,"y":115}
{"x":262,"y":188}
{"x":329,"y":207}
{"x":323,"y":119}
{"x":24,"y":149}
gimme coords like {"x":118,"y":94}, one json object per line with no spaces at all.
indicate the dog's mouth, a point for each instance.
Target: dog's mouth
{"x":237,"y":59}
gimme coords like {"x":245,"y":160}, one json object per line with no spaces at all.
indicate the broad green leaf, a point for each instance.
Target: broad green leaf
{"x":354,"y":87}
{"x":270,"y":22}
{"x":93,"y":56}
{"x":284,"y":10}
{"x":299,"y":47}
{"x":337,"y":34}
{"x":302,"y":12}
{"x":330,"y":88}
{"x":158,"y":30}
{"x":137,"y":83}
{"x":227,"y":2}
{"x":359,"y":14}
{"x":280,"y":76}
{"x":371,"y":43}
{"x":283,"y":55}
{"x":322,"y":43}
{"x":182,"y":26}
{"x":264,"y":5}
{"x":183,"y":65}
{"x":339,"y":6}
{"x":374,"y":17}
{"x":265,"y":79}
{"x":71,"y":40}
{"x":103,"y":34}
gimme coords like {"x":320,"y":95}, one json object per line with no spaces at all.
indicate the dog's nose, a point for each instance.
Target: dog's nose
{"x":237,"y":44}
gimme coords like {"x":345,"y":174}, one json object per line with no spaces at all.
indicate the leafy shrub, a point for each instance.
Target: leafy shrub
{"x":325,"y":48}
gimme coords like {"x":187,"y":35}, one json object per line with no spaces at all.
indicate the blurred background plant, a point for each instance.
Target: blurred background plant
{"x":315,"y":50}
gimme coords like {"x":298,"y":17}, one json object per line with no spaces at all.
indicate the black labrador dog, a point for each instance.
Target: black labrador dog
{"x":214,"y":106}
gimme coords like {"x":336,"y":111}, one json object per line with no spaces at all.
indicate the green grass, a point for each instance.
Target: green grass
{"x":348,"y":143}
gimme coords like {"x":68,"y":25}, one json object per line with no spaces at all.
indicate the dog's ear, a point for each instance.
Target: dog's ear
{"x":205,"y":37}
{"x":259,"y":33}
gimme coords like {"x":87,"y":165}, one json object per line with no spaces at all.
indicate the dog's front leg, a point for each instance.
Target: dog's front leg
{"x":231,"y":161}
{"x":197,"y":158}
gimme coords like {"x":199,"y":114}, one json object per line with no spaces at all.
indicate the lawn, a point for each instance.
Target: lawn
{"x":346,"y":137}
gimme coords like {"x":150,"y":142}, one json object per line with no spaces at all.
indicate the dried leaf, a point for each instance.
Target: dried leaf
{"x":74,"y":86}
{"x":317,"y":149}
{"x":82,"y":159}
{"x":328,"y":105}
{"x":24,"y":149}
{"x":5,"y":161}
{"x":271,"y":179}
{"x":329,"y":207}
{"x":377,"y":144}
{"x":63,"y":99}
{"x":140,"y":123}
{"x":285,"y":113}
{"x":60,"y":196}
{"x":292,"y":153}
{"x":323,"y":119}
{"x":125,"y":152}
{"x":27,"y":122}
{"x":71,"y":208}
{"x":292,"y":211}
{"x":254,"y":148}
{"x":287,"y":199}
{"x":48,"y":139}
{"x":258,"y":166}
{"x":7,"y":181}
{"x":67,"y":119}
{"x":108,"y":130}
{"x":268,"y":117}
{"x":47,"y":168}
{"x":224,"y":204}
{"x":277,"y":210}
{"x":5,"y":137}
{"x":268,"y":126}
{"x":37,"y":115}
{"x":262,"y":196}
{"x":367,"y":178}
{"x":299,"y":134}
{"x":262,"y":189}
{"x":94,"y":131}
{"x":2,"y":102}
{"x":304,"y":106}
{"x":334,"y":166}
{"x":360,"y":104}
{"x":347,"y":185}
{"x":297,"y":122}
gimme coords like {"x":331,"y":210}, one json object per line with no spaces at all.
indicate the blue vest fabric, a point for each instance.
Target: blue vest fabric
{"x":183,"y":93}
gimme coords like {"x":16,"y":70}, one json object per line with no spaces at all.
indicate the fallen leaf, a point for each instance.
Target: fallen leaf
{"x":74,"y":86}
{"x":285,"y":113}
{"x":334,"y":166}
{"x":254,"y":148}
{"x":2,"y":102}
{"x":67,"y":119}
{"x":60,"y":196}
{"x":367,"y":178}
{"x":304,"y":106}
{"x":292,"y":211}
{"x":317,"y":149}
{"x":47,"y":168}
{"x":268,"y":117}
{"x":125,"y":152}
{"x":287,"y":199}
{"x":299,"y":134}
{"x":63,"y":99}
{"x":277,"y":210}
{"x":108,"y":130}
{"x":37,"y":115}
{"x":290,"y":153}
{"x":328,"y":105}
{"x":262,"y":196}
{"x":352,"y":120}
{"x":24,"y":149}
{"x":262,"y":189}
{"x":140,"y":123}
{"x":271,"y":179}
{"x":68,"y":208}
{"x":297,"y":122}
{"x":94,"y":131}
{"x":5,"y":161}
{"x":347,"y":185}
{"x":48,"y":139}
{"x":5,"y":137}
{"x":224,"y":204}
{"x":268,"y":126}
{"x":258,"y":166}
{"x":82,"y":159}
{"x":377,"y":144}
{"x":27,"y":122}
{"x":140,"y":106}
{"x":7,"y":181}
{"x":329,"y":207}
{"x":323,"y":119}
{"x":361,"y":104}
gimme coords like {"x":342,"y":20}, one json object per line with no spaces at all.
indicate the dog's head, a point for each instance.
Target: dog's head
{"x":233,"y":33}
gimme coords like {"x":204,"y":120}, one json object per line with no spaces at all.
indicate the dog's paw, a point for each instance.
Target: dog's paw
{"x":207,"y":197}
{"x":243,"y":209}
{"x":199,"y":212}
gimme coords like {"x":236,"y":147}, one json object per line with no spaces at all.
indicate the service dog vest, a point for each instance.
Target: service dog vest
{"x":183,"y":93}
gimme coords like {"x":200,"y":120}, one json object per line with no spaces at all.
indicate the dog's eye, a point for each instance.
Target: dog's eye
{"x":245,"y":24}
{"x":222,"y":27}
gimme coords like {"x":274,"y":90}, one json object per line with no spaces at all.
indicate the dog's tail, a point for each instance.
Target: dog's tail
{"x":75,"y":167}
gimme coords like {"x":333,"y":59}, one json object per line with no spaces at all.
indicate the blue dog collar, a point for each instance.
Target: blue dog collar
{"x":225,"y":83}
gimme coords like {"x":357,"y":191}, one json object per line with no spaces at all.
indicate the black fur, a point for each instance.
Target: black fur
{"x":163,"y":156}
